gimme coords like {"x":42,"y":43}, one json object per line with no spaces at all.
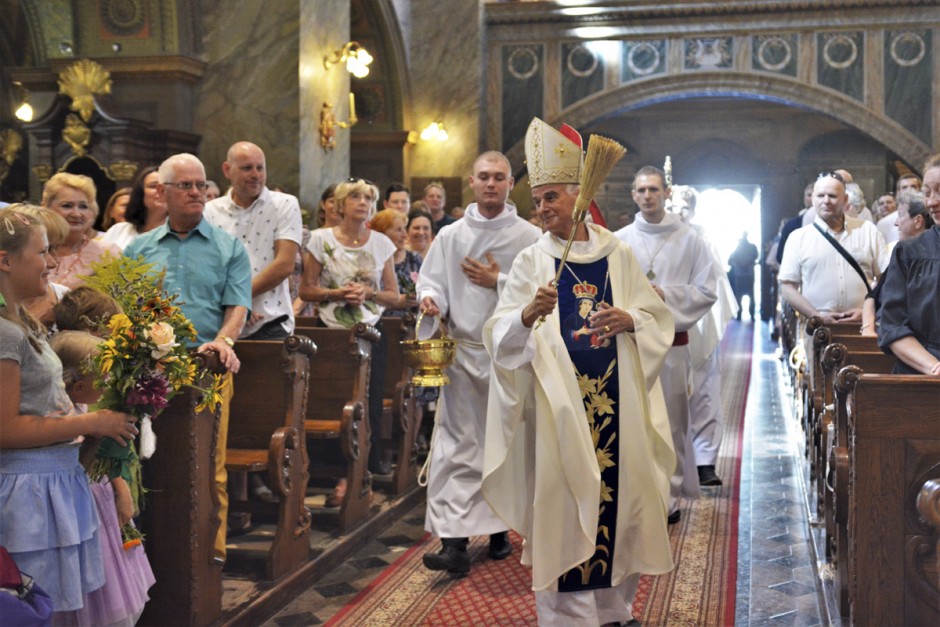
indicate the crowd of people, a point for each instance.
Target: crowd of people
{"x":569,"y":417}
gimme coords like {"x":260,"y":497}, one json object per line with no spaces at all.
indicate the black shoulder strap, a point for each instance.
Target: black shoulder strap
{"x":847,"y":256}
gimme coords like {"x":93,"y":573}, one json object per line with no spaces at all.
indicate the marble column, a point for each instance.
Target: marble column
{"x":320,"y":167}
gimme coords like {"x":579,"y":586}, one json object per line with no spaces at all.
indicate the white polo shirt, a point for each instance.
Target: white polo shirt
{"x":272,"y":216}
{"x":826,"y":279}
{"x":888,"y":227}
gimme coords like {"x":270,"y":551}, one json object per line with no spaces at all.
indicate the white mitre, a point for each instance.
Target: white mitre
{"x":551,"y":156}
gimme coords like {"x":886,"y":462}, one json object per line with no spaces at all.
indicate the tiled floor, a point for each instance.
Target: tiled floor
{"x":331,"y":593}
{"x":777,"y":582}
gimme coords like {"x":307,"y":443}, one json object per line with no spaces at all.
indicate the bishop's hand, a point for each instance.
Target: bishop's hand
{"x":546,"y":298}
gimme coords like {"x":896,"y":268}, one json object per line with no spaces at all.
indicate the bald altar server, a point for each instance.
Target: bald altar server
{"x":459,"y":279}
{"x":578,"y":450}
{"x":677,"y":263}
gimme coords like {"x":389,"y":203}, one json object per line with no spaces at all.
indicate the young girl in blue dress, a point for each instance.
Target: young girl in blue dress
{"x":48,"y":521}
{"x":128,"y":576}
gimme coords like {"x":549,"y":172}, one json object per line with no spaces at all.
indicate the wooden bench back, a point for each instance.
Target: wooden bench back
{"x":396,"y":330}
{"x":894,"y":452}
{"x":341,"y":374}
{"x":270,"y":389}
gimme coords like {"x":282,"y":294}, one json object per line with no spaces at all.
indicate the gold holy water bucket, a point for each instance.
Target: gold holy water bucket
{"x":429,"y":358}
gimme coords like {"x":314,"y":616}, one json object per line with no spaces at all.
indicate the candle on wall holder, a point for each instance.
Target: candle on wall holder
{"x":328,"y":122}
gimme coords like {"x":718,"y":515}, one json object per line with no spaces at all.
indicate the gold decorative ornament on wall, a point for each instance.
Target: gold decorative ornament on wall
{"x":11,"y":143}
{"x":43,"y":172}
{"x":81,"y":82}
{"x":122,"y":170}
{"x":328,"y":122}
{"x":76,"y":134}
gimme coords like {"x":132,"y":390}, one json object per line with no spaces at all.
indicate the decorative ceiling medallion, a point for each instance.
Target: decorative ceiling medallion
{"x":908,"y":48}
{"x":523,"y":63}
{"x":708,"y":53}
{"x":644,"y":58}
{"x":123,"y":17}
{"x":581,"y":61}
{"x":774,"y":53}
{"x":840,"y":51}
{"x":81,"y":82}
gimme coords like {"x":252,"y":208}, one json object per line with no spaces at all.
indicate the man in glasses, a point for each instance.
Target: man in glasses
{"x":815,"y":277}
{"x":210,"y":271}
{"x":268,"y":223}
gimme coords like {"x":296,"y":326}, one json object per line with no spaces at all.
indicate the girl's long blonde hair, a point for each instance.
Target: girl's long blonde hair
{"x":16,"y":229}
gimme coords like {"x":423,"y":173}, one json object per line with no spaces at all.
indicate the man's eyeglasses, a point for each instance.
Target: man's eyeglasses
{"x":185,"y":186}
{"x":835,"y":175}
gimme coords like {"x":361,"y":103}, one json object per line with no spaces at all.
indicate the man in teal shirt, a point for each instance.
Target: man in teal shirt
{"x":210,"y":271}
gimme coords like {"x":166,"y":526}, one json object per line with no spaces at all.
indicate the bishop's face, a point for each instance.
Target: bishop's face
{"x":554,"y":205}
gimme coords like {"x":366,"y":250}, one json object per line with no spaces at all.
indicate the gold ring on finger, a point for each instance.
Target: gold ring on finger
{"x":607,"y":328}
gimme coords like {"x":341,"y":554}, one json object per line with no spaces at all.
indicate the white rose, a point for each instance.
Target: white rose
{"x":163,"y":338}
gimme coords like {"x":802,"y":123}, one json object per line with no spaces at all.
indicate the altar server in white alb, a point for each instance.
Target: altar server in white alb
{"x":578,"y":452}
{"x":677,"y":263}
{"x":459,"y":280}
{"x":705,"y":411}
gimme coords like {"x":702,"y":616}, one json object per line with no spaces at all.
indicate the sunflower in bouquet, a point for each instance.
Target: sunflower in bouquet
{"x":141,"y":365}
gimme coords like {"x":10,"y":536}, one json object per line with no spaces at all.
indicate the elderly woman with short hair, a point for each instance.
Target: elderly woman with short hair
{"x":72,"y":196}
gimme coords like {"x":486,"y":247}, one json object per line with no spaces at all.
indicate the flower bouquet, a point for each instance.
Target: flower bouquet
{"x":142,"y":364}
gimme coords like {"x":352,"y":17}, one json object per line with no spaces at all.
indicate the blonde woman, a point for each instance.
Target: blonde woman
{"x":349,"y":271}
{"x":72,"y":196}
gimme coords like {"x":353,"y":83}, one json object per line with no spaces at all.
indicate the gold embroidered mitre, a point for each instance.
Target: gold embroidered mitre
{"x":551,"y":157}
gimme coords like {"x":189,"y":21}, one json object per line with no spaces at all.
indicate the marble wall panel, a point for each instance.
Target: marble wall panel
{"x":908,"y":73}
{"x":643,"y":59}
{"x":840,"y":62}
{"x":523,"y":74}
{"x":775,"y":53}
{"x":324,"y":27}
{"x":447,"y":77}
{"x":582,"y":72}
{"x":250,"y":88}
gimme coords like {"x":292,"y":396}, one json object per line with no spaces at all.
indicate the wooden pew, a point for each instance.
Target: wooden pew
{"x":813,"y":392}
{"x":841,"y":352}
{"x":399,"y":406}
{"x":337,"y":409}
{"x":894,"y":456}
{"x":832,"y":486}
{"x":179,"y":521}
{"x":266,"y":434}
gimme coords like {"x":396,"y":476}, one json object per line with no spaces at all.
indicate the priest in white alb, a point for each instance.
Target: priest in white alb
{"x":578,"y":450}
{"x":677,"y":263}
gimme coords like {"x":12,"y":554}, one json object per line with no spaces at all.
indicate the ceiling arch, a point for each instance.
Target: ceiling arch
{"x":824,"y":101}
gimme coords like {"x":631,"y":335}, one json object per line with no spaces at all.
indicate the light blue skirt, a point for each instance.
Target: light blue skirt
{"x":49,"y":524}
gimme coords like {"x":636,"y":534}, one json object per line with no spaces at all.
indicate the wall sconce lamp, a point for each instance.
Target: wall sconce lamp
{"x":435,"y":130}
{"x":356,"y":57}
{"x":25,"y":111}
{"x":328,"y":122}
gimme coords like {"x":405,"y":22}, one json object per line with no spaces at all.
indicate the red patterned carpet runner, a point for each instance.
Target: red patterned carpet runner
{"x":699,"y":591}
